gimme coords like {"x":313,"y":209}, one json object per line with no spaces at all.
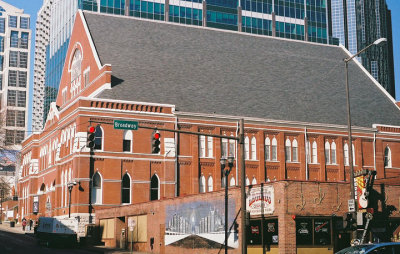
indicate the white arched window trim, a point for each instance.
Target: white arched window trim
{"x":253,"y":148}
{"x":247,"y":147}
{"x":202,"y":184}
{"x":210,"y":185}
{"x":97,"y":193}
{"x":295,"y":153}
{"x":327,"y":152}
{"x":388,"y":157}
{"x":129,"y":136}
{"x":288,"y":148}
{"x":333,"y":152}
{"x":247,"y":181}
{"x":267,"y":149}
{"x":232,"y":182}
{"x":274,"y":150}
{"x":130,"y":187}
{"x":314,"y":153}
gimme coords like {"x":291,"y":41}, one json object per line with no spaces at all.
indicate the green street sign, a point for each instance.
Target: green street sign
{"x":126,"y":125}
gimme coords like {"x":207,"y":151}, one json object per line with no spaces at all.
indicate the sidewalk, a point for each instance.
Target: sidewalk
{"x":5,"y":226}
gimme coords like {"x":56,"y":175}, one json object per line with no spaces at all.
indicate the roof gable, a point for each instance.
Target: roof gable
{"x":211,"y":71}
{"x":82,"y":67}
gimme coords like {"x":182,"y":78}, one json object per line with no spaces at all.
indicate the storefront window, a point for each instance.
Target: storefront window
{"x":313,"y":231}
{"x":270,"y":232}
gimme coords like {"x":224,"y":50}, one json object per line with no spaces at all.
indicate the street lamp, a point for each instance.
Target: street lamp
{"x":346,"y":61}
{"x":226,"y":172}
{"x":70,"y":186}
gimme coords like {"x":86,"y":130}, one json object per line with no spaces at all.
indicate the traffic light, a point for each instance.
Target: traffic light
{"x":90,"y":137}
{"x":155,"y":142}
{"x":351,"y":222}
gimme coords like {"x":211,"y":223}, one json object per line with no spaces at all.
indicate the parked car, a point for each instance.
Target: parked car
{"x":373,"y":248}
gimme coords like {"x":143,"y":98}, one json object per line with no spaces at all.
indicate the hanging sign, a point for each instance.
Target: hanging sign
{"x":255,"y":200}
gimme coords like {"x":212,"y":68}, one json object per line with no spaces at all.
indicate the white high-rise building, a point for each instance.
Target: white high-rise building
{"x":53,"y":29}
{"x":39,"y":71}
{"x":15,"y":38}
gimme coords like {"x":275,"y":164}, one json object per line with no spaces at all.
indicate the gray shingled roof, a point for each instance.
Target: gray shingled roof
{"x":207,"y":71}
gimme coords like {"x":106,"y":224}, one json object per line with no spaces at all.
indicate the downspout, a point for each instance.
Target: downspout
{"x":306,"y":153}
{"x":375,"y":152}
{"x":176,"y":136}
{"x":236,"y":154}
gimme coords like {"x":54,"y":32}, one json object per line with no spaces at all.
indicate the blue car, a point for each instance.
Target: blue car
{"x":374,"y":248}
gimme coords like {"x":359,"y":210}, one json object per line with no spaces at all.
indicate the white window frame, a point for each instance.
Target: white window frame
{"x":267,"y":149}
{"x":288,"y":148}
{"x":247,"y":148}
{"x":202,"y":184}
{"x":210,"y":184}
{"x":295,"y":152}
{"x":253,"y":144}
{"x":388,"y":157}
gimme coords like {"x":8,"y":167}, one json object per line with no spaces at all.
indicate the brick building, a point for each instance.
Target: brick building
{"x":179,"y":77}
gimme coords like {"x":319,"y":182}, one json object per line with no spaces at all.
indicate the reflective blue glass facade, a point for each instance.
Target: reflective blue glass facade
{"x":292,"y":19}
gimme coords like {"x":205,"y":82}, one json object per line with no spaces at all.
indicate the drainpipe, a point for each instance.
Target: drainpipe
{"x":236,"y":154}
{"x":176,"y":136}
{"x":375,"y":152}
{"x":306,"y":153}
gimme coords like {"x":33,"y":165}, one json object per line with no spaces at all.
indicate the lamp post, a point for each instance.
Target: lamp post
{"x":346,"y":61}
{"x":226,"y":172}
{"x":70,"y":186}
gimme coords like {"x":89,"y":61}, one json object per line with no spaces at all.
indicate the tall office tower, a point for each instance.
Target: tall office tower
{"x":292,"y":19}
{"x":39,"y":71}
{"x":358,"y":23}
{"x":15,"y":37}
{"x":53,"y":29}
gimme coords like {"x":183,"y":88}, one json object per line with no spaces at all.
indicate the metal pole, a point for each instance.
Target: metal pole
{"x":262,"y":218}
{"x":243,"y":186}
{"x":69,"y":206}
{"x":226,"y":211}
{"x":352,"y":192}
{"x":1,"y":206}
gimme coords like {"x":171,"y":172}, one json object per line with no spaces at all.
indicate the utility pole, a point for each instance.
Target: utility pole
{"x":243,"y":186}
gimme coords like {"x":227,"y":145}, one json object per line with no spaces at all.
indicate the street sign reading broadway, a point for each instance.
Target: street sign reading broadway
{"x":126,"y":125}
{"x":255,"y":200}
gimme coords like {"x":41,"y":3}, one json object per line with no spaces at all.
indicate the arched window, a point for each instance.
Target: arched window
{"x":247,"y":181}
{"x":209,"y":147}
{"x":210,"y":184}
{"x":224,"y":148}
{"x":346,"y":154}
{"x":62,"y":188}
{"x":388,"y":157}
{"x":327,"y":152}
{"x":232,"y":147}
{"x":254,"y":181}
{"x":98,"y":138}
{"x":333,"y":152}
{"x":288,"y":148}
{"x":253,"y":148}
{"x":202,"y":146}
{"x":274,"y":149}
{"x":314,"y":152}
{"x":126,"y":189}
{"x":96,"y":189}
{"x":127,"y":141}
{"x":267,"y":149}
{"x":202,"y":184}
{"x":76,"y":65}
{"x":232,"y":181}
{"x":42,"y":188}
{"x":295,"y":156}
{"x":155,"y":188}
{"x":247,"y":148}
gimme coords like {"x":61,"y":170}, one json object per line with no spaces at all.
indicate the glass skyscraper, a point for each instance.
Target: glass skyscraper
{"x":15,"y":38}
{"x":358,"y":23}
{"x":293,"y":19}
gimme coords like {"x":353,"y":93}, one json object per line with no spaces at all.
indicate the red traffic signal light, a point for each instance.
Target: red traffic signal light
{"x":155,"y":142}
{"x":91,"y":129}
{"x":90,"y":137}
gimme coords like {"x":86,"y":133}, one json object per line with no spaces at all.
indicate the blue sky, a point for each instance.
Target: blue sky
{"x":32,"y":7}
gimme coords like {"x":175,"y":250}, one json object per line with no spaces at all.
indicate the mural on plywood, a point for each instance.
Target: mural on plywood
{"x":200,"y":225}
